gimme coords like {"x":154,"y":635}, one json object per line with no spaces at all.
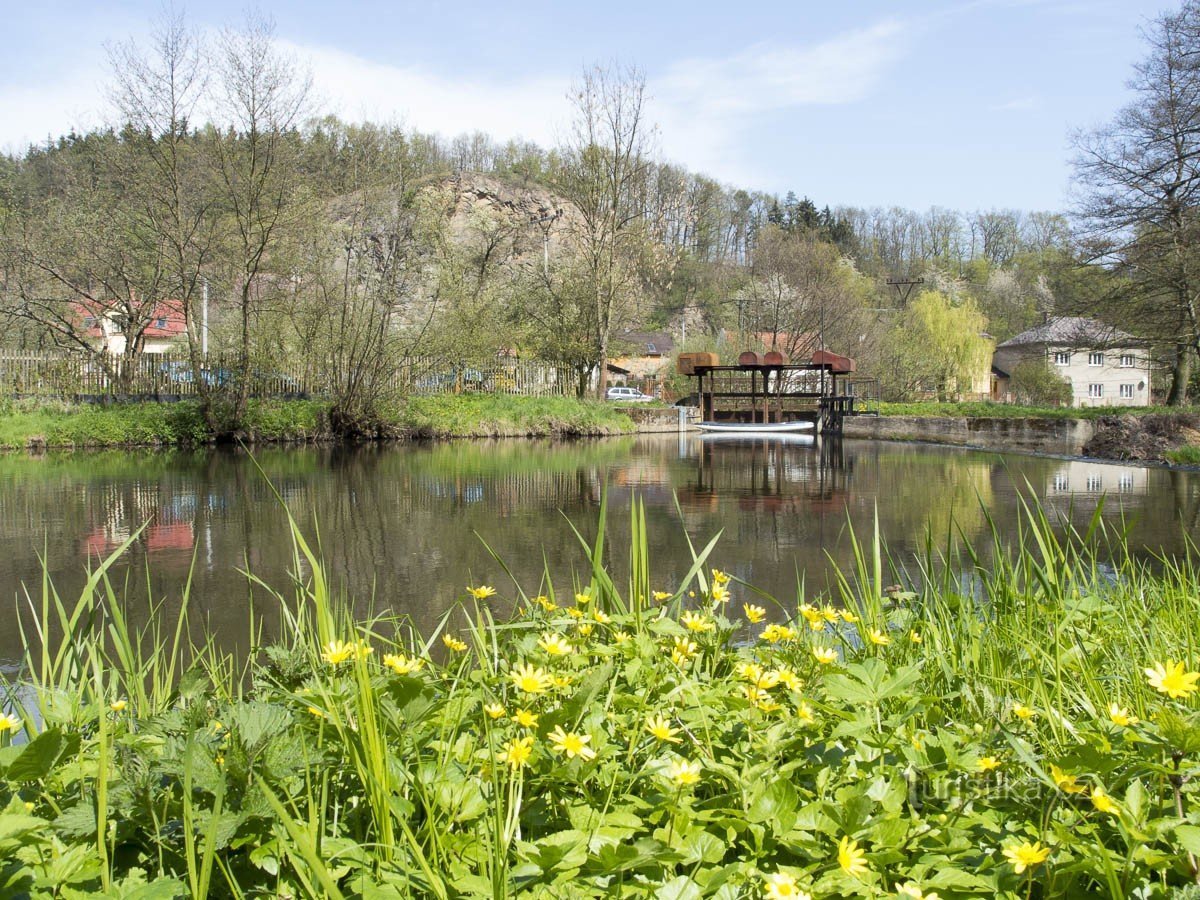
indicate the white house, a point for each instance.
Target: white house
{"x":1103,"y":366}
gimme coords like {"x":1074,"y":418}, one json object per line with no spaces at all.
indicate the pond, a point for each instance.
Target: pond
{"x":403,"y":527}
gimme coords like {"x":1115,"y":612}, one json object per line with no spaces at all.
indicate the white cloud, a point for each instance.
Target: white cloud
{"x":768,"y":77}
{"x":701,"y":104}
{"x":358,"y":89}
{"x":1017,"y":104}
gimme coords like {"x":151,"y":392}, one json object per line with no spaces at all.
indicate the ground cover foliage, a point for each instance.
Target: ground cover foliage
{"x":1011,"y":720}
{"x":35,"y":424}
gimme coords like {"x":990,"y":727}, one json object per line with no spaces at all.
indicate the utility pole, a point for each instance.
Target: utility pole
{"x":204,"y":319}
{"x":546,"y":241}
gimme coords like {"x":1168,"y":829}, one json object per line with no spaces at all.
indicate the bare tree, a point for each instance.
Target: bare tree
{"x":158,"y":89}
{"x":263,"y":98}
{"x":1140,"y":188}
{"x":606,"y":162}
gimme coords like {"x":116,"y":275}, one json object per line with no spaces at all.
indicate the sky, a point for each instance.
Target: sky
{"x":964,"y":104}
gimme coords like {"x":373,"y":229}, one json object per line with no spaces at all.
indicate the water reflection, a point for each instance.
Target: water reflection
{"x":401,"y":527}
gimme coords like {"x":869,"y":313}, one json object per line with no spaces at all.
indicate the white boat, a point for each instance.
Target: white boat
{"x":754,"y":428}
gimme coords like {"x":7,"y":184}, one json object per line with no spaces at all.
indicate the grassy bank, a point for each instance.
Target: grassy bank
{"x":27,"y":424}
{"x":624,"y":738}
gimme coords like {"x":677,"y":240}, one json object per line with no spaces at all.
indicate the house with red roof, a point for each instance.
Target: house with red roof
{"x":165,"y":332}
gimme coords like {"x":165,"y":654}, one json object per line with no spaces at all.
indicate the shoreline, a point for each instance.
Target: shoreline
{"x":37,"y":428}
{"x":1147,"y":439}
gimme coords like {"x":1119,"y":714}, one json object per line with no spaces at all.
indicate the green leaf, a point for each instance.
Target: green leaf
{"x":773,"y":803}
{"x":1189,"y":838}
{"x":681,"y":888}
{"x":38,"y":758}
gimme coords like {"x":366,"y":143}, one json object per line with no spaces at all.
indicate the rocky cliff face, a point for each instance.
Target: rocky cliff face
{"x":526,"y":217}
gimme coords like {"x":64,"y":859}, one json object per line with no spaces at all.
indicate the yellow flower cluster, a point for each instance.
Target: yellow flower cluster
{"x":337,"y":652}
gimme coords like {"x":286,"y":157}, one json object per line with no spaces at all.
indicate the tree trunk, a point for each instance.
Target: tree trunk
{"x":1180,"y":373}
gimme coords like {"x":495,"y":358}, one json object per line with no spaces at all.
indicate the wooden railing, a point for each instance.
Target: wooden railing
{"x":161,"y":376}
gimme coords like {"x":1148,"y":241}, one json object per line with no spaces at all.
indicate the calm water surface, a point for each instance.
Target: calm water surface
{"x":401,"y":527}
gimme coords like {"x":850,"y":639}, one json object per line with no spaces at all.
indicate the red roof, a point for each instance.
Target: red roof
{"x":166,"y":319}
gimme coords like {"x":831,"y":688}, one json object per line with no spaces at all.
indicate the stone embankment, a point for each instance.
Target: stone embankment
{"x":1146,"y":438}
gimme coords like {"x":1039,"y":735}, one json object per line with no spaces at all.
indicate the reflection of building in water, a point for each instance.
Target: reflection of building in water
{"x":1080,"y":477}
{"x":769,"y":474}
{"x":168,"y":521}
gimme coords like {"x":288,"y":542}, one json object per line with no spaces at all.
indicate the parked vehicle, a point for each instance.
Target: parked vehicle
{"x":627,"y":395}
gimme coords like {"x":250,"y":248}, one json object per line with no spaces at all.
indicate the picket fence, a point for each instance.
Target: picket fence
{"x":167,"y":377}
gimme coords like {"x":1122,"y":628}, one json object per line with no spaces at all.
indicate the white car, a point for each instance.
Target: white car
{"x":627,"y":395}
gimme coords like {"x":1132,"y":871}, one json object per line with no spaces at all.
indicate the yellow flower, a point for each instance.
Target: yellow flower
{"x":1120,"y":716}
{"x":482,"y":592}
{"x":530,"y":679}
{"x":849,"y":617}
{"x":586,"y":628}
{"x":517,"y":752}
{"x":554,"y":644}
{"x":571,"y":743}
{"x":401,"y":664}
{"x":683,"y":773}
{"x":1023,"y":712}
{"x":773,"y":633}
{"x":495,"y":710}
{"x":829,"y":614}
{"x":453,"y":643}
{"x":851,"y":858}
{"x":1068,"y":784}
{"x":915,"y":637}
{"x":749,"y":671}
{"x":788,"y":679}
{"x":804,"y":713}
{"x":754,"y":614}
{"x":545,"y":603}
{"x":682,"y":651}
{"x":825,"y":655}
{"x":118,"y":705}
{"x":1103,"y":802}
{"x":525,"y":718}
{"x":754,"y":694}
{"x":719,"y":577}
{"x":622,"y":637}
{"x":660,"y":596}
{"x":601,"y":617}
{"x":878,"y":638}
{"x":10,"y":723}
{"x":337,"y":652}
{"x":583,"y":599}
{"x":318,"y":713}
{"x":987,"y":763}
{"x":660,"y":727}
{"x":719,"y":594}
{"x":575,"y":612}
{"x":1026,"y":855}
{"x":562,"y":681}
{"x":696,"y":622}
{"x":782,"y":886}
{"x":1172,"y":680}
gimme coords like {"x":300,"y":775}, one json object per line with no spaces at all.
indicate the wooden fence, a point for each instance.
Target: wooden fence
{"x":169,"y":377}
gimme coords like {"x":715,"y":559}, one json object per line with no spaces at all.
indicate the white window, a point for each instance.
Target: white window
{"x":1126,"y":360}
{"x":1127,"y":392}
{"x":1095,"y":390}
{"x":1062,"y":357}
{"x":1062,"y":482}
{"x":1095,"y":359}
{"x":1125,"y":482}
{"x":1095,"y":484}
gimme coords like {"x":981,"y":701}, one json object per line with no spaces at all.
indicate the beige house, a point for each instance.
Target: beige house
{"x":1103,"y":366}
